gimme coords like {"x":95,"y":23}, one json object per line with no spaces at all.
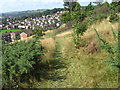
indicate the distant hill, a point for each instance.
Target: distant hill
{"x":21,"y":13}
{"x":28,"y":14}
{"x":46,"y":12}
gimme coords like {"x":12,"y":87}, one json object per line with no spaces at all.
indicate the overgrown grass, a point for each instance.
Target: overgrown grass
{"x":69,"y":67}
{"x":78,"y":68}
{"x":86,"y":70}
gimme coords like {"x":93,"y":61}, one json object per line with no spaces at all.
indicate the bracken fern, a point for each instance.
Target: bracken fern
{"x":113,"y":51}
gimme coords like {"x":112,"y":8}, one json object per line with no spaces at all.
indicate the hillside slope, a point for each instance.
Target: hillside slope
{"x":78,"y":68}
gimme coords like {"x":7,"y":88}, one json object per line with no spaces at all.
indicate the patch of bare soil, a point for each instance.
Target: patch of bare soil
{"x":93,"y":46}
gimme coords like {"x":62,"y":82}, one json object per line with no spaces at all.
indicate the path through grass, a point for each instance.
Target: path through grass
{"x":74,"y":68}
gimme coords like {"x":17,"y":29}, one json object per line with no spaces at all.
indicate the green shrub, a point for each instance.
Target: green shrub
{"x":38,"y":31}
{"x":19,"y":58}
{"x":115,"y":6}
{"x":65,"y":17}
{"x":101,"y":17}
{"x":79,"y":30}
{"x":117,"y":9}
{"x":114,"y":17}
{"x":18,"y":37}
{"x":78,"y":16}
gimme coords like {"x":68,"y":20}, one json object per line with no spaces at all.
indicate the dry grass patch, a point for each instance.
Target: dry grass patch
{"x":103,"y":27}
{"x":49,"y":46}
{"x":85,"y":70}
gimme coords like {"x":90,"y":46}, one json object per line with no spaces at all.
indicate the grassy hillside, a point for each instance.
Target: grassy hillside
{"x":82,"y":53}
{"x":69,"y":67}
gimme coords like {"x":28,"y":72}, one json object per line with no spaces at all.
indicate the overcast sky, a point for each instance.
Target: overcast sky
{"x":22,"y":5}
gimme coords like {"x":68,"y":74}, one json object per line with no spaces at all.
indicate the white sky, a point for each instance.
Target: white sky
{"x":21,"y":5}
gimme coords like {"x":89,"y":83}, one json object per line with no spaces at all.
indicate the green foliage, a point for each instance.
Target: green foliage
{"x":38,"y":32}
{"x":101,"y":17}
{"x":79,"y":30}
{"x":18,"y":37}
{"x":81,"y":17}
{"x":114,"y":17}
{"x":106,"y":4}
{"x":75,"y":16}
{"x":89,"y":8}
{"x":50,"y":12}
{"x":4,"y":21}
{"x":79,"y":26}
{"x":19,"y":58}
{"x":72,"y":6}
{"x":35,"y":15}
{"x":78,"y":17}
{"x":65,"y":17}
{"x":76,"y":7}
{"x":103,"y":9}
{"x":118,"y":9}
{"x":97,"y":13}
{"x":12,"y":30}
{"x":115,"y":6}
{"x":113,"y":51}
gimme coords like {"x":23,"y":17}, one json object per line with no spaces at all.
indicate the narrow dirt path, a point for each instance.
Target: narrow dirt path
{"x":64,"y":33}
{"x":58,"y":35}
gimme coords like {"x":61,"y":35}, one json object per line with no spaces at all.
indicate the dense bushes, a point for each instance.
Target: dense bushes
{"x":101,"y":17}
{"x":65,"y":17}
{"x":19,"y":58}
{"x":78,"y":16}
{"x":79,"y":29}
{"x":75,"y":15}
{"x":81,"y":17}
{"x":114,"y":17}
{"x":115,"y":6}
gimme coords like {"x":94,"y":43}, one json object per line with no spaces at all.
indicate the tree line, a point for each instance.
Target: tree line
{"x":81,"y":17}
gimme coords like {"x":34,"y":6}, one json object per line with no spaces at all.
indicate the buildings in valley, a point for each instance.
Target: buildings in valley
{"x":12,"y":36}
{"x":46,"y":22}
